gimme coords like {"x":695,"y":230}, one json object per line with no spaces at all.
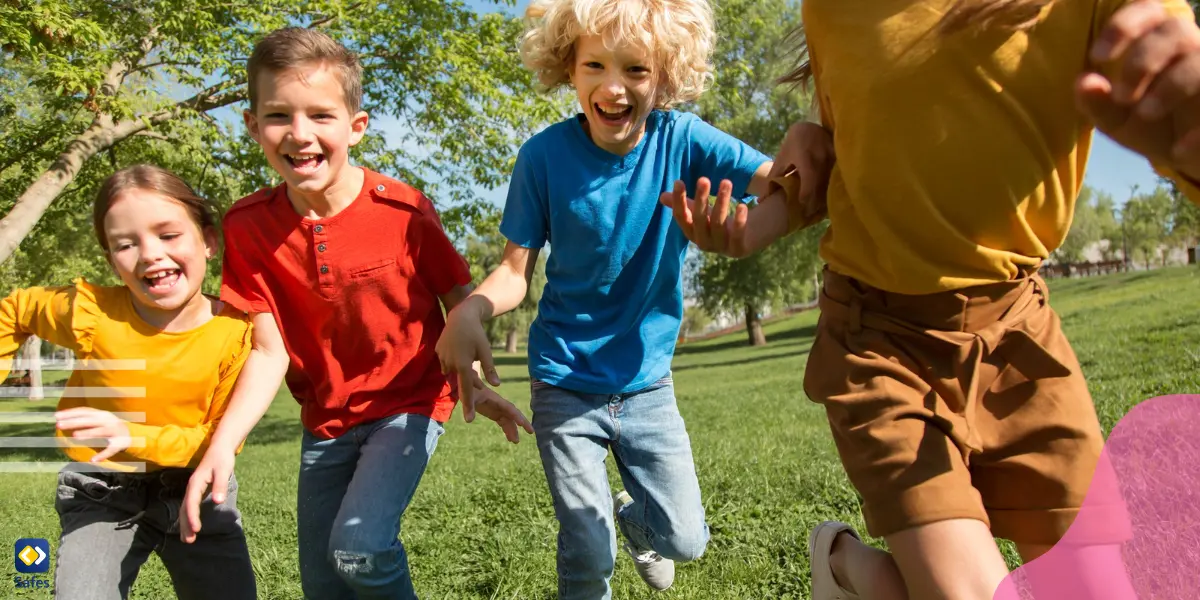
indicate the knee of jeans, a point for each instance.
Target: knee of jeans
{"x":362,"y":568}
{"x":683,"y":546}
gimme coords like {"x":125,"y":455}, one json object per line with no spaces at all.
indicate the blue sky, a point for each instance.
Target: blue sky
{"x":1112,"y":168}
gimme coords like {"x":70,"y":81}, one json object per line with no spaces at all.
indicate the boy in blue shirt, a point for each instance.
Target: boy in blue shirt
{"x":600,"y":349}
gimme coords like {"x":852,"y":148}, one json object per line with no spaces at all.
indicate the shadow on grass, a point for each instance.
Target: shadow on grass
{"x":739,"y":341}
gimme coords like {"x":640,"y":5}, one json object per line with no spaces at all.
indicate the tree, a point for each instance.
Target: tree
{"x":747,"y":103}
{"x":1146,"y":221}
{"x":87,"y":80}
{"x":1086,"y":229}
{"x":483,"y":251}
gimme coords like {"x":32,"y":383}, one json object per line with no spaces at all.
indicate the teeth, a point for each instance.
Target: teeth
{"x":613,"y":111}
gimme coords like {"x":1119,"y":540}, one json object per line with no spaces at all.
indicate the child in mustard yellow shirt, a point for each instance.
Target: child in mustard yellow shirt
{"x":952,"y":144}
{"x":157,"y":361}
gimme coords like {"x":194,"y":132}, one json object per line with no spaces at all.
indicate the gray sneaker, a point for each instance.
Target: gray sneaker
{"x":656,"y":571}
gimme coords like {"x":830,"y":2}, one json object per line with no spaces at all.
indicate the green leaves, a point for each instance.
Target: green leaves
{"x":449,"y":76}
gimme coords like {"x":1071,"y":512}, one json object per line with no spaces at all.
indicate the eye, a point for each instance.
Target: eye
{"x":169,"y":236}
{"x":276,"y":116}
{"x":639,"y":70}
{"x":122,"y":246}
{"x":594,"y":65}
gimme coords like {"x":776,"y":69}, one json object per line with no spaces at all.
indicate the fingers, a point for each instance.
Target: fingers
{"x":510,"y":430}
{"x":466,"y":391}
{"x":738,"y":244}
{"x":91,"y":433}
{"x":1126,"y":26}
{"x":700,"y":216}
{"x":75,"y":419}
{"x":1094,"y":97}
{"x":108,"y":452}
{"x":1175,"y":86}
{"x":679,"y":206}
{"x":484,"y":352}
{"x":190,"y":514}
{"x":719,"y":216}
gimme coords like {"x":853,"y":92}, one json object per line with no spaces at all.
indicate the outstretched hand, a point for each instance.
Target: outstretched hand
{"x":506,"y":414}
{"x":1150,"y":101}
{"x":709,"y":226}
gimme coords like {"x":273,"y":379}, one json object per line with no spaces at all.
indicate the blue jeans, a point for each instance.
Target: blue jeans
{"x":654,"y":457}
{"x":353,"y":490}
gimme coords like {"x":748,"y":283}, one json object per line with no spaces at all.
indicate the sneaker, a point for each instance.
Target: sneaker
{"x":656,"y":571}
{"x":820,"y":546}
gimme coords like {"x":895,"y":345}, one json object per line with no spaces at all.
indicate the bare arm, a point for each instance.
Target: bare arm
{"x":505,"y":287}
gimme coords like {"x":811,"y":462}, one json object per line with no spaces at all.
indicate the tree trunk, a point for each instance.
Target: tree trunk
{"x":754,"y":326}
{"x":32,"y":353}
{"x":510,"y":343}
{"x":32,"y":204}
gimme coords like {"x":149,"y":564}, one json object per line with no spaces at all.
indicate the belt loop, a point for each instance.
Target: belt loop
{"x":856,"y":310}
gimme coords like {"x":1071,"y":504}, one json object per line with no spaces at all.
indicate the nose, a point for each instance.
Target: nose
{"x":301,"y":130}
{"x":613,"y":87}
{"x":151,"y":250}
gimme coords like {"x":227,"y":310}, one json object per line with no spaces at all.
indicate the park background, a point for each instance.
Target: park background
{"x":90,"y":86}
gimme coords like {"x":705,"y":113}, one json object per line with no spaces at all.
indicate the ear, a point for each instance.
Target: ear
{"x":211,"y":242}
{"x":251,"y":124}
{"x":358,"y":127}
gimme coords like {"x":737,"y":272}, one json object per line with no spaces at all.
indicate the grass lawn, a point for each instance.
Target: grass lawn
{"x":482,"y":526}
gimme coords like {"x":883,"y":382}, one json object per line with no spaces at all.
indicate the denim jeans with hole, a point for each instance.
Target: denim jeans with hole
{"x":646,"y":434}
{"x":352,"y":492}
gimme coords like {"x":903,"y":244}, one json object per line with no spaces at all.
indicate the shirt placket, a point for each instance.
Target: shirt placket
{"x":320,"y":241}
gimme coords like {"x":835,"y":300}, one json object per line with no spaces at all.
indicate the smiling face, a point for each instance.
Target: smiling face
{"x":617,"y":90}
{"x":159,"y":252}
{"x":306,"y":130}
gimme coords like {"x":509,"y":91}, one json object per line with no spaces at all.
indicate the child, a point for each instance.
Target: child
{"x":600,"y":349}
{"x":957,"y":404}
{"x":342,"y":270}
{"x":168,"y":357}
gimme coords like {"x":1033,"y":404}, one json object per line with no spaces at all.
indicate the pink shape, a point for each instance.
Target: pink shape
{"x":1146,"y":494}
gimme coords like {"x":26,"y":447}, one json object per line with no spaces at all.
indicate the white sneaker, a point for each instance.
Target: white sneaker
{"x":820,"y":546}
{"x":656,"y":571}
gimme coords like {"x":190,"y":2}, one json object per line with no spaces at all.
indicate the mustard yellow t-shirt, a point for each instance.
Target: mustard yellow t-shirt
{"x":959,"y":159}
{"x":181,"y":381}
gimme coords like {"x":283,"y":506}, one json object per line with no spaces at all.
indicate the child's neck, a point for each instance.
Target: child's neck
{"x":198,"y":311}
{"x":331,"y":200}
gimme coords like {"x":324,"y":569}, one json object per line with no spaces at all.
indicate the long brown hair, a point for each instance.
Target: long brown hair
{"x":1009,"y":15}
{"x":152,"y":179}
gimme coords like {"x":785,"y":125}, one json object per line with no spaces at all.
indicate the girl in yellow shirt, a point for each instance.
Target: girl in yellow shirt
{"x":951,"y":145}
{"x":157,"y":360}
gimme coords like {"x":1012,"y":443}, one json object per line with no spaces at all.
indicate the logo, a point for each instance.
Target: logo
{"x":31,"y":555}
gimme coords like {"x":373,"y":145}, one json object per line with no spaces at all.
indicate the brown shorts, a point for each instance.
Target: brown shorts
{"x":966,"y":404}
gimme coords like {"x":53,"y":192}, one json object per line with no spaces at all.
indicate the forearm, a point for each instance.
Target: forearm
{"x":768,"y":222}
{"x":251,"y":398}
{"x":501,"y":292}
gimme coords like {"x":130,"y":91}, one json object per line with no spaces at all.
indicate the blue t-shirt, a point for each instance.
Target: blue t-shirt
{"x":610,"y":313}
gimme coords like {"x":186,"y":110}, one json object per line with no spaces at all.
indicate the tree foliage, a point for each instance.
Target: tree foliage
{"x":747,"y":103}
{"x":89,"y":86}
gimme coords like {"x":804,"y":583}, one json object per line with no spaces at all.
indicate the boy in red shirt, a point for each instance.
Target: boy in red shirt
{"x":342,"y":270}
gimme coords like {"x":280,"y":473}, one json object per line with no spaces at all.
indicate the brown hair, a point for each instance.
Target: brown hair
{"x":1008,"y":15}
{"x":293,"y":47}
{"x":152,"y":179}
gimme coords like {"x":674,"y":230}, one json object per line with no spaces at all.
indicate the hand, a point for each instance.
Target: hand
{"x":1151,"y":104}
{"x":461,"y":345}
{"x":214,"y":470}
{"x":709,"y":227}
{"x":808,"y":149}
{"x":489,"y":404}
{"x":91,"y":423}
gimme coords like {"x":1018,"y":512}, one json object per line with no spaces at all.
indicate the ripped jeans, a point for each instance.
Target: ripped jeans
{"x":352,"y":492}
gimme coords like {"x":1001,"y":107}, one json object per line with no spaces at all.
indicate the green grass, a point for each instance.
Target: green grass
{"x":481,"y":525}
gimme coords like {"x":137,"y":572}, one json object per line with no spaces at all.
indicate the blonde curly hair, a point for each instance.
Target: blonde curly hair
{"x":679,"y":34}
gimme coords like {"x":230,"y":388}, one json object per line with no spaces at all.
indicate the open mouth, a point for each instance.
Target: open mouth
{"x":613,"y":114}
{"x":305,"y":164}
{"x":162,"y":281}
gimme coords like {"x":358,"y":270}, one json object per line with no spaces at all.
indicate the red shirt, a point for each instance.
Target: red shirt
{"x":355,"y":297}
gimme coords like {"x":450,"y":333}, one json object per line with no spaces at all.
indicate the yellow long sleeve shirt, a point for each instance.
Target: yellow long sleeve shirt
{"x":180,"y":381}
{"x":959,"y":159}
